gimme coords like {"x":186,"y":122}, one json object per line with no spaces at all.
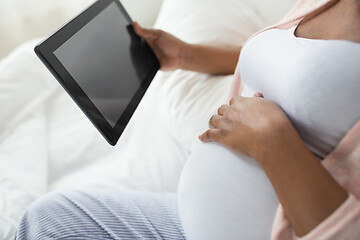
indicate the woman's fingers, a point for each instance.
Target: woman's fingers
{"x":214,"y":121}
{"x":211,"y":135}
{"x":223,"y":109}
{"x":146,"y":33}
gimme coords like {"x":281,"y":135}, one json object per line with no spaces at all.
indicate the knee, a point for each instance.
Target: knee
{"x":45,"y":204}
{"x":42,"y":216}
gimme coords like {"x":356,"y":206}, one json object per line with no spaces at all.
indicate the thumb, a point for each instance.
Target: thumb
{"x":145,"y":33}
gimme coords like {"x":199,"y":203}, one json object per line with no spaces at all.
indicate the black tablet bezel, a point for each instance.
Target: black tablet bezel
{"x":45,"y":52}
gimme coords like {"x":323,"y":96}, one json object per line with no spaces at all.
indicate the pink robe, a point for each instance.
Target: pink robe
{"x":343,"y":163}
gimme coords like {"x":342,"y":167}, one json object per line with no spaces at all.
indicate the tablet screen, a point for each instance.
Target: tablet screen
{"x":94,"y":57}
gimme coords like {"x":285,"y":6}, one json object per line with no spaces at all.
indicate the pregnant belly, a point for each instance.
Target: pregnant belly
{"x":225,"y":196}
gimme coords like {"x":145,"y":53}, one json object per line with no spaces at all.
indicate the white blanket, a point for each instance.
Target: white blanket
{"x":47,"y":143}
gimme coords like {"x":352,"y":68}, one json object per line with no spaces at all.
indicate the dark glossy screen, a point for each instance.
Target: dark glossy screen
{"x":108,"y":61}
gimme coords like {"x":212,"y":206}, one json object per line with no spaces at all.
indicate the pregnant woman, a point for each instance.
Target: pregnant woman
{"x":290,"y":135}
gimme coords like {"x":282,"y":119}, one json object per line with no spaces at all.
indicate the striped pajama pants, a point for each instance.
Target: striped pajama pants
{"x":102,"y":214}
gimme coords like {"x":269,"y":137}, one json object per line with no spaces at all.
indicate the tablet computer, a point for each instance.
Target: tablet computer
{"x":102,"y":64}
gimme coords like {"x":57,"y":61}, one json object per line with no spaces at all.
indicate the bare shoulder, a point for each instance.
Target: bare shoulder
{"x":338,"y":20}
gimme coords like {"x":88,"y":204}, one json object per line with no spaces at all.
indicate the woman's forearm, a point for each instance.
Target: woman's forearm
{"x":209,"y":59}
{"x":306,"y":191}
{"x":174,"y":53}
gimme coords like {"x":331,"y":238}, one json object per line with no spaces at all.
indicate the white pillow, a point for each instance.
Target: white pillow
{"x":178,"y":104}
{"x":156,"y":143}
{"x":186,"y":100}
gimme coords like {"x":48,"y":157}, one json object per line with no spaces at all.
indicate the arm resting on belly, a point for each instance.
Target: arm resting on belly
{"x":306,"y":190}
{"x":344,"y":222}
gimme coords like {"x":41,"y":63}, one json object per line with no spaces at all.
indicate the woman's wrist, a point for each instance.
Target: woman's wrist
{"x":185,"y":55}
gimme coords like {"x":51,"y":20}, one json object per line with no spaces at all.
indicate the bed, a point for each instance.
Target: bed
{"x":47,"y":144}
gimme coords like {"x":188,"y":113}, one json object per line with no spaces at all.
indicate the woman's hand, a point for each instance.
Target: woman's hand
{"x":167,"y":48}
{"x":248,"y":126}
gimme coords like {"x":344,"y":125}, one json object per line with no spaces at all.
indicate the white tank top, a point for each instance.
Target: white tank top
{"x":317,"y":83}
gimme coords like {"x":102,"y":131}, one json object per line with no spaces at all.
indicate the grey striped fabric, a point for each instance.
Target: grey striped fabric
{"x":102,"y":214}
